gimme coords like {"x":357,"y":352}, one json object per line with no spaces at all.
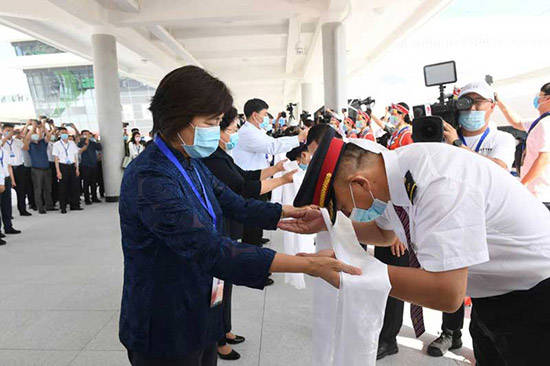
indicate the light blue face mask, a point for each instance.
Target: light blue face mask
{"x":360,"y":124}
{"x":366,"y":215}
{"x":303,"y":166}
{"x":53,"y":138}
{"x":471,"y":120}
{"x":281,"y":122}
{"x":92,"y":139}
{"x":536,"y":102}
{"x":205,"y":142}
{"x":64,"y":136}
{"x":394,"y":121}
{"x":35,"y":137}
{"x":266,"y":124}
{"x":233,"y":139}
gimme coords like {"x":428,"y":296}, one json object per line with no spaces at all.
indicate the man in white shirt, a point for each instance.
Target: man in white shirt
{"x":471,"y":226}
{"x":13,"y":149}
{"x":5,"y":199}
{"x":65,"y":153}
{"x":255,"y":145}
{"x":535,"y":168}
{"x":499,"y":146}
{"x":2,"y":189}
{"x":254,"y":148}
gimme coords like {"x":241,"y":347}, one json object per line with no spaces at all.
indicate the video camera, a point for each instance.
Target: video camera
{"x":428,"y":118}
{"x":304,"y":116}
{"x":356,"y":105}
{"x":324,"y":115}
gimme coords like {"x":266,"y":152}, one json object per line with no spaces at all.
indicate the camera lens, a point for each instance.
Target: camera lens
{"x":464,"y":103}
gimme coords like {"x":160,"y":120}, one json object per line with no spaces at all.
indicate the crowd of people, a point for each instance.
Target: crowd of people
{"x":50,"y":167}
{"x":196,"y":189}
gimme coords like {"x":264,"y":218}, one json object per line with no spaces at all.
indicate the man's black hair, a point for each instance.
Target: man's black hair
{"x":185,"y":93}
{"x":317,"y":132}
{"x":83,"y":131}
{"x":135,"y":129}
{"x":228,"y":118}
{"x":254,"y":105}
{"x":546,"y":89}
{"x":283,"y":114}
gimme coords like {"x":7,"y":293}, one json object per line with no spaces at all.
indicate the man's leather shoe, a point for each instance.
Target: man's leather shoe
{"x":63,"y":210}
{"x":77,"y":209}
{"x":2,"y":242}
{"x":26,"y":213}
{"x":12,"y":231}
{"x":96,"y":200}
{"x":2,"y":235}
{"x":42,"y":211}
{"x":448,"y":340}
{"x":88,"y":202}
{"x":386,"y":349}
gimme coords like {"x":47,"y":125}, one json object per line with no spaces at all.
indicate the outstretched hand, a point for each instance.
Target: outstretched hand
{"x":327,"y":267}
{"x":305,"y":220}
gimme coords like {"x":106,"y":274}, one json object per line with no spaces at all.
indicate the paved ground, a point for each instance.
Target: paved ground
{"x":60,"y":287}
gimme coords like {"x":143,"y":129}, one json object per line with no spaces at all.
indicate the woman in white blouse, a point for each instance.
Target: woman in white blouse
{"x":135,"y":147}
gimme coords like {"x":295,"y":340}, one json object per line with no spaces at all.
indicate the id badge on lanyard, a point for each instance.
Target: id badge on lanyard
{"x":216,"y":295}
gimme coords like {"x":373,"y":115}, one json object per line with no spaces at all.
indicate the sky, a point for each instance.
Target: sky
{"x":502,"y":38}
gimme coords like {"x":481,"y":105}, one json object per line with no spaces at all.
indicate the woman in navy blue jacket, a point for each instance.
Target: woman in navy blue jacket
{"x":171,"y":210}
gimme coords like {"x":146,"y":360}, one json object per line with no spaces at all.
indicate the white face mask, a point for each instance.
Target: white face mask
{"x":375,"y":210}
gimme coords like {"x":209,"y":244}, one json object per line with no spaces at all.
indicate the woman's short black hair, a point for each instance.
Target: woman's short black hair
{"x":134,"y":134}
{"x":185,"y":93}
{"x":546,"y":89}
{"x":254,"y":105}
{"x":317,"y":132}
{"x":228,"y":118}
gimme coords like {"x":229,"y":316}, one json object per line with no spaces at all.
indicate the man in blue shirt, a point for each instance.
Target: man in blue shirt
{"x":88,"y":166}
{"x":36,"y":143}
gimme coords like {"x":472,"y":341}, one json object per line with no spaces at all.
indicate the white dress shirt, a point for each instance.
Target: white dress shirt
{"x":254,"y":145}
{"x":66,"y":152}
{"x":469,"y":212}
{"x":497,"y":144}
{"x":13,"y":150}
{"x":49,"y":151}
{"x":4,"y":161}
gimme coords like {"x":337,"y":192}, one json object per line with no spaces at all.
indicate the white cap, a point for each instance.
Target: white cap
{"x":479,"y":87}
{"x":368,"y":145}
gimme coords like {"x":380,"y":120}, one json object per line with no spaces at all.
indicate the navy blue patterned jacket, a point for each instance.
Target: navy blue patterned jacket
{"x":172,"y":251}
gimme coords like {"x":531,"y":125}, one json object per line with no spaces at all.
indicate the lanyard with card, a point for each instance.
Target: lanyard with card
{"x":68,"y":161}
{"x":478,"y":146}
{"x":12,"y":154}
{"x":217,"y":284}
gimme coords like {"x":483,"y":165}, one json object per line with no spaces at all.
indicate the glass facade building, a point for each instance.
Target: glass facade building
{"x":67,"y":94}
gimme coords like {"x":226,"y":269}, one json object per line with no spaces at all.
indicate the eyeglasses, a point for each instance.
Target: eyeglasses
{"x":480,"y":101}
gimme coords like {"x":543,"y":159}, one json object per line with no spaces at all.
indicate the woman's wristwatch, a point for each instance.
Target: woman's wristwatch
{"x":458,"y":143}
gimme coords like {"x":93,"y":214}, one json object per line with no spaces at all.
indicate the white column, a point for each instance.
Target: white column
{"x":307,"y":97}
{"x":334,"y":65}
{"x":108,"y":111}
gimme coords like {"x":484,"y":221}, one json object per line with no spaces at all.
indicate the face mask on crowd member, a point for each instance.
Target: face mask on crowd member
{"x":541,"y":102}
{"x":479,"y":115}
{"x":229,"y":136}
{"x":304,"y":159}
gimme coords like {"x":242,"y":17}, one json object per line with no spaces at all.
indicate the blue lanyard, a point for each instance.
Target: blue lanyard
{"x":9,"y":144}
{"x":66,"y":149}
{"x":479,"y":142}
{"x":536,"y":122}
{"x":204,"y":202}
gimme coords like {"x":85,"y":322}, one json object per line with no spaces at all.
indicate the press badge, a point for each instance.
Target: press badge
{"x":216,"y":296}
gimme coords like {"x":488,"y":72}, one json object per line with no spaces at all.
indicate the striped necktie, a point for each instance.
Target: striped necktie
{"x":416,"y":311}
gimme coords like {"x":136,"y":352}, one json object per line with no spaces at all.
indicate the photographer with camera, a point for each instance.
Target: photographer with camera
{"x":535,"y":167}
{"x":474,"y":135}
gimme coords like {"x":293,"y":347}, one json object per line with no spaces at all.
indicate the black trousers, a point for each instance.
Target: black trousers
{"x":55,"y":184}
{"x":21,"y":188}
{"x":5,"y":205}
{"x":69,"y":191}
{"x":253,"y":234}
{"x":453,"y":321}
{"x":512,"y":329}
{"x":89,"y":182}
{"x":30,"y":188}
{"x":226,"y":304}
{"x":100,"y":183}
{"x":41,"y":179}
{"x":393,"y":317}
{"x":205,"y":357}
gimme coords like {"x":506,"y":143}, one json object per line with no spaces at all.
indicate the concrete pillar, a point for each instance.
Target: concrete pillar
{"x":107,"y":95}
{"x":307,"y":102}
{"x":334,"y":65}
